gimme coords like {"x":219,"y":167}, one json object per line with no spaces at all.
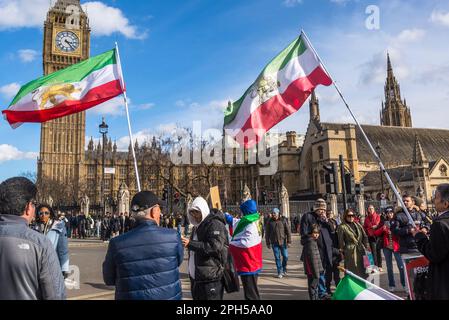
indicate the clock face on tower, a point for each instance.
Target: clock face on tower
{"x":67,"y":41}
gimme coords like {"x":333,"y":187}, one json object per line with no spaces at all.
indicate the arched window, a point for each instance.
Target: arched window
{"x":322,"y":179}
{"x":321,"y":152}
{"x":316,"y":181}
{"x":443,"y":170}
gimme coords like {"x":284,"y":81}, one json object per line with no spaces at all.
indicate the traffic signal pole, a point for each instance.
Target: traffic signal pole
{"x":343,"y":184}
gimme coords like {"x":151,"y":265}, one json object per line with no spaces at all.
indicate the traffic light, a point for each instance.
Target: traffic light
{"x":350,"y":183}
{"x":177,"y":197}
{"x":264,"y":198}
{"x":331,"y":178}
{"x":359,"y":188}
{"x":165,"y":194}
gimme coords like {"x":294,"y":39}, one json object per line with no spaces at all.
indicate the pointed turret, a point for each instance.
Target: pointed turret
{"x":109,"y":149}
{"x":91,"y":146}
{"x":419,"y":157}
{"x":314,"y":107}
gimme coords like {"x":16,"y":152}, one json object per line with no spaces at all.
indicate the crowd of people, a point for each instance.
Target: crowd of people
{"x":328,"y":241}
{"x":145,"y":251}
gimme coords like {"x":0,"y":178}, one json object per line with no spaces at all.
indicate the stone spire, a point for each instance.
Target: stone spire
{"x":314,"y":107}
{"x":395,"y":111}
{"x":99,"y":148}
{"x":419,"y":157}
{"x":90,"y":146}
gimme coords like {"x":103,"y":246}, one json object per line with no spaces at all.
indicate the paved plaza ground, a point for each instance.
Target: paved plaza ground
{"x":89,"y":255}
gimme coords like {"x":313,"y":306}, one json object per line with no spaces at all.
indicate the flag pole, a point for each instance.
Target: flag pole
{"x":125,"y":97}
{"x":398,"y":196}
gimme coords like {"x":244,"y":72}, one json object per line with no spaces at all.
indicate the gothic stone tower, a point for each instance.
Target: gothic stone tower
{"x":394,"y":112}
{"x":66,"y":42}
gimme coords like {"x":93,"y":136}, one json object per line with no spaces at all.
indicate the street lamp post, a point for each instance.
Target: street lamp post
{"x":378,"y":149}
{"x":103,"y":131}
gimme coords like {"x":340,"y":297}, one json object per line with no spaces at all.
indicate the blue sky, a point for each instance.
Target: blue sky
{"x":184,"y":59}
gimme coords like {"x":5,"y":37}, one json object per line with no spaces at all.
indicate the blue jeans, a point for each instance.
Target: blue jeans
{"x":278,"y":251}
{"x":388,"y":253}
{"x":322,"y":290}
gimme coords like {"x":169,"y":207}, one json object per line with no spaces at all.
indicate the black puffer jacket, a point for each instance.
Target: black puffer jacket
{"x":211,"y":248}
{"x":325,"y":244}
{"x":407,"y":243}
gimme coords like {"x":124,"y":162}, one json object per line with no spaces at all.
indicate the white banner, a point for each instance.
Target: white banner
{"x":109,"y":170}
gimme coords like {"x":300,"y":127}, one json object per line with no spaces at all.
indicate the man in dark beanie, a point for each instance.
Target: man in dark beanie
{"x":143,"y":264}
{"x":325,"y":244}
{"x":29,"y":266}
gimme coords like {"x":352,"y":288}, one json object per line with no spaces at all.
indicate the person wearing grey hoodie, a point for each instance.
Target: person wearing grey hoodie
{"x":208,"y":250}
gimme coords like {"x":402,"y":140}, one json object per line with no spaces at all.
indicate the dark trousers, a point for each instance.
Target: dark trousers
{"x":332,"y":273}
{"x":250,"y":289}
{"x":81,"y":232}
{"x":313,"y":287}
{"x":207,"y":290}
{"x":376,"y":250}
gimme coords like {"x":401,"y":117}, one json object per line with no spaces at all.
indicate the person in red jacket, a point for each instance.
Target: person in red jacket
{"x":372,"y":223}
{"x":390,"y":248}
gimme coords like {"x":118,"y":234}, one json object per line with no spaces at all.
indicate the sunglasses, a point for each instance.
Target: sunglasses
{"x":350,"y":216}
{"x":44,"y":213}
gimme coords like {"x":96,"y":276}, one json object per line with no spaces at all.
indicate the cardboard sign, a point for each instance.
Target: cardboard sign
{"x":215,"y":198}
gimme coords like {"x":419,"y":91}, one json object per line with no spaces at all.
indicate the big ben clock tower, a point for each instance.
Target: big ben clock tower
{"x":66,"y":42}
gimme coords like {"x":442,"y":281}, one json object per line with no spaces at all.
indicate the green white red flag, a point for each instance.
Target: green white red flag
{"x":352,"y":287}
{"x":279,"y":91}
{"x":75,"y":89}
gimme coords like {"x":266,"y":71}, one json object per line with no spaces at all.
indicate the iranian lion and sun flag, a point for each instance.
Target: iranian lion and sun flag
{"x":75,"y":89}
{"x":279,"y":91}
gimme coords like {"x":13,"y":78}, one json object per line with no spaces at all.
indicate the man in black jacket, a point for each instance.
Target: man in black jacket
{"x":29,"y":266}
{"x":404,"y":229}
{"x":325,"y":244}
{"x":436,"y":248}
{"x":208,"y":250}
{"x":278,"y":235}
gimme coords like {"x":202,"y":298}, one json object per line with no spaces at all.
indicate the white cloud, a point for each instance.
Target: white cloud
{"x":106,"y":20}
{"x":411,"y":35}
{"x":10,"y":90}
{"x":291,"y":3}
{"x":141,"y":137}
{"x":9,"y":153}
{"x":113,"y":107}
{"x":440,"y":18}
{"x":22,"y":13}
{"x":374,"y":71}
{"x":28,"y":55}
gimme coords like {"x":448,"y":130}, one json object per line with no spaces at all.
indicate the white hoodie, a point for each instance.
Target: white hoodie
{"x":201,"y":205}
